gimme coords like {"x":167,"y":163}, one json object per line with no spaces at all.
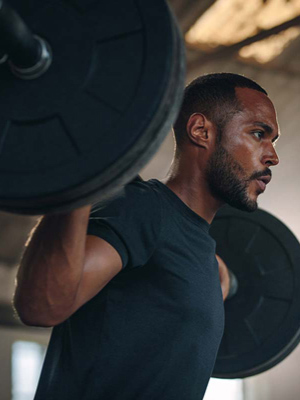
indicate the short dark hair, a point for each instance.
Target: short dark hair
{"x":214,"y":96}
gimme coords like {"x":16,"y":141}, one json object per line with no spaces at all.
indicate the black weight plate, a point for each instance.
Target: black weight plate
{"x":262,"y":321}
{"x":94,"y":119}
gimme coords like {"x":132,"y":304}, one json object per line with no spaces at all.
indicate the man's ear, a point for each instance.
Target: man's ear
{"x":200,"y":130}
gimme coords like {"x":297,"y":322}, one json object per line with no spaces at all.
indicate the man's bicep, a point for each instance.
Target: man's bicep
{"x":102,"y":262}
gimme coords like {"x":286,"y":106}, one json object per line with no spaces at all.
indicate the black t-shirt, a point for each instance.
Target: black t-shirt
{"x":153,"y":332}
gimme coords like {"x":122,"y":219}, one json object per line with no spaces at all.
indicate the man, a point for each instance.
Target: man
{"x":136,"y":303}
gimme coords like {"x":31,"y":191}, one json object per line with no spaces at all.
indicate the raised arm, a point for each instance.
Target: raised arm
{"x":62,"y":268}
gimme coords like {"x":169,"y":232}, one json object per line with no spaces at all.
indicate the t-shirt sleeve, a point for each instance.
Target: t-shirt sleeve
{"x":130,"y":222}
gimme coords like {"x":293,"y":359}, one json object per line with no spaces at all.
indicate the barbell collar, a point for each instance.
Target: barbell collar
{"x":39,"y":68}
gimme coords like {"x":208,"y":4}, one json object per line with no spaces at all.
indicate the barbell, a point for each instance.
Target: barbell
{"x":89,"y":90}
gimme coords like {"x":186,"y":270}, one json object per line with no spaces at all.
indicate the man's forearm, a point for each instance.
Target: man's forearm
{"x":51,"y":268}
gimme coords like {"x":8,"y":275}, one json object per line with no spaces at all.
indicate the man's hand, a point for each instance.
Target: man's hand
{"x":224,"y":277}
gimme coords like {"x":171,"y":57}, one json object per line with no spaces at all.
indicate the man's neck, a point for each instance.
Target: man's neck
{"x":194,"y":191}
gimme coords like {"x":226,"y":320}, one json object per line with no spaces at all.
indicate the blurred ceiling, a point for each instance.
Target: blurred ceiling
{"x":254,"y":32}
{"x":230,"y":22}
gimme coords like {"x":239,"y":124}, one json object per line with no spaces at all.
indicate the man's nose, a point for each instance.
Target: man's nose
{"x":271,"y":158}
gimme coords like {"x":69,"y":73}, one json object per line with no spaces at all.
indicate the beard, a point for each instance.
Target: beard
{"x":228,"y":180}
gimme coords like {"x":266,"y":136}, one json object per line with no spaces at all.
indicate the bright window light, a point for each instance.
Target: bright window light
{"x":225,"y":389}
{"x":27,"y":359}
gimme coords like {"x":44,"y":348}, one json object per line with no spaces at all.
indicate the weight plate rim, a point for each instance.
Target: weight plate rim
{"x":286,"y":351}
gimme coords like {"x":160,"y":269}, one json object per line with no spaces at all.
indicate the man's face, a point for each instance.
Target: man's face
{"x":238,"y":170}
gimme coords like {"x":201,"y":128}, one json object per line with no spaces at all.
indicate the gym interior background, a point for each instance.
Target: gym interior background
{"x":257,"y":38}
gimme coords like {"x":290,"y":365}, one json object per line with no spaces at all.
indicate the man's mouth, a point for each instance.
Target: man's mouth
{"x":262,"y":182}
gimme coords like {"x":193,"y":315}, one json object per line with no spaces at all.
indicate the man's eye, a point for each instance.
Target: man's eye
{"x":258,"y":134}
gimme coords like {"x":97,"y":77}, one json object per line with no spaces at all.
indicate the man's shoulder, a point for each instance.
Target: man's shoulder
{"x":137,"y":195}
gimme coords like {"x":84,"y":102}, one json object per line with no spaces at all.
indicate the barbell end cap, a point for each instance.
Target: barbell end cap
{"x":233,"y":285}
